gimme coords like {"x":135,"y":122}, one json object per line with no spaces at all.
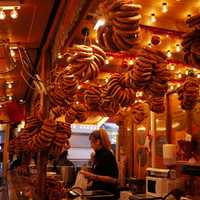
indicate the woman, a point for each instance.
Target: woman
{"x":104,"y":167}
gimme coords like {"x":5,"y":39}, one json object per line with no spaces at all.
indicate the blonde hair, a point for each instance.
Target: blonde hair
{"x":102,"y":136}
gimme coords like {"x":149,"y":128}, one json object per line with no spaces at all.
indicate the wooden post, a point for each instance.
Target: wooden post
{"x":42,"y":170}
{"x":129,"y":145}
{"x":43,"y":155}
{"x":168,"y":119}
{"x":153,"y":133}
{"x":189,"y":117}
{"x":5,"y":151}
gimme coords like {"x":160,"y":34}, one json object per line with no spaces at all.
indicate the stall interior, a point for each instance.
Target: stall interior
{"x":135,"y":65}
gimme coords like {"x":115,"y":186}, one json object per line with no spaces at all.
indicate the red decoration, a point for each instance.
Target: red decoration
{"x":16,"y":112}
{"x":155,"y":40}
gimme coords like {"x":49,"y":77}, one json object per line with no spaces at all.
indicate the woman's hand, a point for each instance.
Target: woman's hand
{"x":89,"y":175}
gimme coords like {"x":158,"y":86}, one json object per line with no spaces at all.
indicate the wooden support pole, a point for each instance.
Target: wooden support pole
{"x":5,"y":151}
{"x":168,"y":119}
{"x":153,"y":133}
{"x":42,"y":170}
{"x":43,"y":155}
{"x":189,"y":118}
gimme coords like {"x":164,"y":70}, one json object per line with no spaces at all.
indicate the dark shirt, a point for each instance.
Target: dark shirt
{"x":105,"y":164}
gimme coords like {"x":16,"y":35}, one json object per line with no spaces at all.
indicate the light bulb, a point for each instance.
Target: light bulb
{"x":130,"y":62}
{"x":14,"y":14}
{"x":189,"y":16}
{"x":111,"y":58}
{"x":106,"y":61}
{"x":12,"y":53}
{"x":178,"y":48}
{"x":172,"y":67}
{"x":99,"y":23}
{"x":59,"y":55}
{"x":198,"y":75}
{"x":9,"y":85}
{"x":137,"y":94}
{"x":2,"y":15}
{"x":169,"y":54}
{"x":149,"y":44}
{"x":153,"y":17}
{"x":179,"y":75}
{"x":164,"y":7}
{"x":10,"y":98}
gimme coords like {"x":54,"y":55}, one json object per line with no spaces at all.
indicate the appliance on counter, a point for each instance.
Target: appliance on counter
{"x":160,"y":182}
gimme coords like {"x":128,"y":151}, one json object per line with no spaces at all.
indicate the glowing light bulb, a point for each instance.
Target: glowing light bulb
{"x":12,"y":53}
{"x":153,"y":17}
{"x":198,"y":75}
{"x":171,"y":87}
{"x":0,"y":106}
{"x":178,"y":84}
{"x":137,"y":94}
{"x":2,"y":15}
{"x":59,"y":55}
{"x":178,"y":48}
{"x":111,"y":58}
{"x":100,"y":22}
{"x":149,"y":44}
{"x":14,"y":14}
{"x":172,"y":67}
{"x":79,"y":87}
{"x":10,"y":98}
{"x":189,"y":16}
{"x":106,"y":61}
{"x":179,"y":75}
{"x":77,"y":102}
{"x":169,"y":54}
{"x":130,"y":62}
{"x":164,"y":7}
{"x":9,"y":85}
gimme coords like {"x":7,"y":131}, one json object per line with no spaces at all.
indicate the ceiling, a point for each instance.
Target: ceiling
{"x":28,"y":33}
{"x":169,"y":27}
{"x":29,"y":27}
{"x":29,"y":30}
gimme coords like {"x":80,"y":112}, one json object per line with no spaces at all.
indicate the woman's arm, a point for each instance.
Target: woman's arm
{"x":100,"y":178}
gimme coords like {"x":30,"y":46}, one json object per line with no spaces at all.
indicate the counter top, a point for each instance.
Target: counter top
{"x":144,"y":197}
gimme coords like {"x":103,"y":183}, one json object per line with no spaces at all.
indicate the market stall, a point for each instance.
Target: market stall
{"x":118,"y":60}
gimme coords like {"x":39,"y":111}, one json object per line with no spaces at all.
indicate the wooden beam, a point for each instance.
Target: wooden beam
{"x":5,"y":151}
{"x":168,"y":119}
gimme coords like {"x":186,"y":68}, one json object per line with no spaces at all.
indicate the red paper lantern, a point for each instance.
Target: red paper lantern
{"x":155,"y":40}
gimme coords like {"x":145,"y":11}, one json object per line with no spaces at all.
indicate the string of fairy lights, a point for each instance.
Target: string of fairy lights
{"x":168,"y":41}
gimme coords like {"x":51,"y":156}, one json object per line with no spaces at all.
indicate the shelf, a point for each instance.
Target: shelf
{"x":192,"y":169}
{"x":181,"y":163}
